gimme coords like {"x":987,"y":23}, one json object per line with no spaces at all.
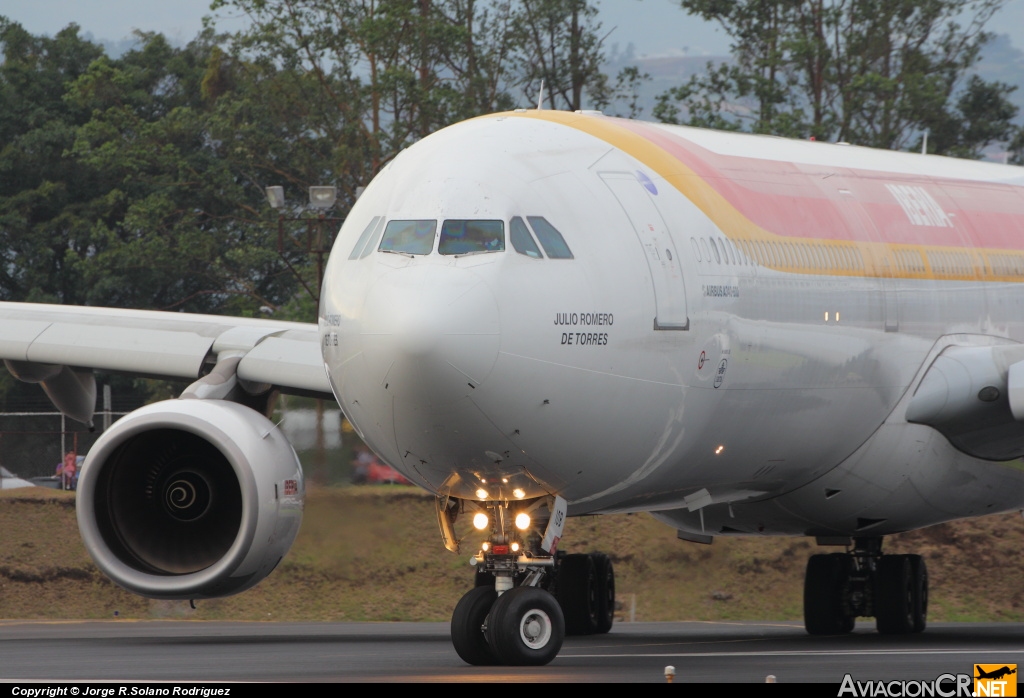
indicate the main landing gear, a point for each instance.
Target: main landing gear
{"x":839,"y":587}
{"x":526,"y":599}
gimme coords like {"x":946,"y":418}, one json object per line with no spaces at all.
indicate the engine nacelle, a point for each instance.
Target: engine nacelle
{"x":190,"y":499}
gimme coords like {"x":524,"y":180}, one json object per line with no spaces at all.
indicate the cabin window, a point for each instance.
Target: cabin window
{"x":731,"y":250}
{"x":704,"y":247}
{"x":696,"y":249}
{"x":714,"y":248}
{"x":805,"y":258}
{"x":816,"y":254}
{"x":521,"y":239}
{"x":471,"y":237}
{"x":826,"y":260}
{"x":409,"y":237}
{"x":550,"y":239}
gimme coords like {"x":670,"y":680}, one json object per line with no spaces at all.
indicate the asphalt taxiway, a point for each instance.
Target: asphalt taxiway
{"x":125,"y":650}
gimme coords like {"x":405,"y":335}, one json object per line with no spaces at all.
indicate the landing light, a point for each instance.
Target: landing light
{"x":485,"y":546}
{"x":515,"y":547}
{"x":518,"y":493}
{"x":719,"y":450}
{"x":481,"y":493}
{"x":522,"y":521}
{"x":481,"y":521}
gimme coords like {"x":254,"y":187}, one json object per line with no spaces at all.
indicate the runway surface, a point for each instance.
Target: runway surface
{"x":421,"y":652}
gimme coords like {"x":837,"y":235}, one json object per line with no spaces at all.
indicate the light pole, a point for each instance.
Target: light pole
{"x":321,"y":198}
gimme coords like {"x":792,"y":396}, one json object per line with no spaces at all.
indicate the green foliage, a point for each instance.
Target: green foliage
{"x":559,"y":45}
{"x":139,"y":181}
{"x":871,"y":72}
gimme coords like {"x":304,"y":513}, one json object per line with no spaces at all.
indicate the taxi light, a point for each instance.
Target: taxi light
{"x":522,"y":521}
{"x":485,"y":546}
{"x":481,"y":521}
{"x":515,"y":547}
{"x":500,"y":550}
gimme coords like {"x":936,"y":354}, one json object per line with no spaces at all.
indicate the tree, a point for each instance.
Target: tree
{"x":383,"y":73}
{"x":560,"y":46}
{"x":181,"y":225}
{"x":46,"y":201}
{"x":872,"y":72}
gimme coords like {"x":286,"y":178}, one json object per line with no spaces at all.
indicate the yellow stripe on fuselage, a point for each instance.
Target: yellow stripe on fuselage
{"x":791,"y":254}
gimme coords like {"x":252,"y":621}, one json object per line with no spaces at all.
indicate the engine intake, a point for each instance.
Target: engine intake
{"x":190,"y":499}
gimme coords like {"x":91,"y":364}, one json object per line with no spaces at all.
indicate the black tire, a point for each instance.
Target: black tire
{"x":824,"y":586}
{"x":919,"y":592}
{"x":577,"y":592}
{"x":604,"y":573}
{"x":525,"y":627}
{"x":894,"y":595}
{"x":467,"y":620}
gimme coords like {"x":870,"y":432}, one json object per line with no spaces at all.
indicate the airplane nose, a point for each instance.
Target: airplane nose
{"x":430,"y":333}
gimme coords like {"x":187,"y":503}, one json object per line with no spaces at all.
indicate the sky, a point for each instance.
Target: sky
{"x":655,"y":27}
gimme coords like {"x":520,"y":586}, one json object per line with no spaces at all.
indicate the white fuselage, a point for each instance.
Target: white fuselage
{"x":663,"y":367}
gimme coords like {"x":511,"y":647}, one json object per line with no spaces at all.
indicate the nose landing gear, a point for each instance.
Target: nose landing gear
{"x":838,"y":587}
{"x":526,"y":598}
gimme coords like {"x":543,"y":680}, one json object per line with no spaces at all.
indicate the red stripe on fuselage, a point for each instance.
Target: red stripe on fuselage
{"x":803,"y":201}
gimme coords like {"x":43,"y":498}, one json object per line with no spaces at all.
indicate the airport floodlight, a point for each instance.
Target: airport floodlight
{"x":322,"y":197}
{"x":275,"y":195}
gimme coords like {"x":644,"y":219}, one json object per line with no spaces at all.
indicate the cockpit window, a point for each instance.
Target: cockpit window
{"x":362,"y":247}
{"x":521,"y":239}
{"x":550,"y":239}
{"x":410,"y":237}
{"x":471,"y":237}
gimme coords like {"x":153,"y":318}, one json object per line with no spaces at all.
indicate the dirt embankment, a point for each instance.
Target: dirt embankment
{"x":374,"y":553}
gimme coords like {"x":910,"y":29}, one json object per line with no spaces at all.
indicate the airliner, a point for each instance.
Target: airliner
{"x":542,"y":314}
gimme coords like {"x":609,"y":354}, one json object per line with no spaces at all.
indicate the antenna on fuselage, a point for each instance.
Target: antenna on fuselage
{"x":540,"y":97}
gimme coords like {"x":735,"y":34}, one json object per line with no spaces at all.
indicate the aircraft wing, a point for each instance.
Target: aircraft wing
{"x":38,"y":338}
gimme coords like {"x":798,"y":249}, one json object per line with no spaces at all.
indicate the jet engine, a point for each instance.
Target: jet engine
{"x":190,"y":499}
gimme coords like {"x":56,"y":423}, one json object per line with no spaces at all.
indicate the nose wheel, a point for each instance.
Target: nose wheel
{"x":522,"y":627}
{"x":468,"y":624}
{"x":525,"y":627}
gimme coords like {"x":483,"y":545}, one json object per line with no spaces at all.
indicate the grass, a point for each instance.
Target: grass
{"x":375,"y":554}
